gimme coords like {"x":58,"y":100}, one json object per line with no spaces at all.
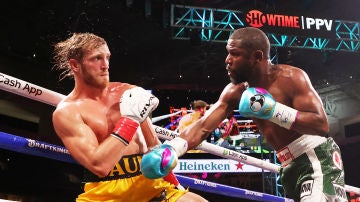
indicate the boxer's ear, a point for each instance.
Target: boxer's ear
{"x":258,"y":55}
{"x":74,"y":64}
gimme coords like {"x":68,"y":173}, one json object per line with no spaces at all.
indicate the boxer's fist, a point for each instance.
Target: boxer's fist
{"x":256,"y":102}
{"x":159,"y":161}
{"x":137,"y":103}
{"x":259,"y":103}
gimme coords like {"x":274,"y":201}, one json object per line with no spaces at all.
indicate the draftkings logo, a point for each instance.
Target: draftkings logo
{"x":258,"y":19}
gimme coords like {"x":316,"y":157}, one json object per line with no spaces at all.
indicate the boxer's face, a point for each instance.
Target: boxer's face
{"x":238,"y":61}
{"x":95,"y":67}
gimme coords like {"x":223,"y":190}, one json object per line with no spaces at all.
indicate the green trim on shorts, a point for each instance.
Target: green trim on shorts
{"x":327,"y":160}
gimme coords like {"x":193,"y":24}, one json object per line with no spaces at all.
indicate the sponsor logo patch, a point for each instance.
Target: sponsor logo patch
{"x":337,"y":159}
{"x":284,"y":156}
{"x":340,"y":192}
{"x":306,"y":188}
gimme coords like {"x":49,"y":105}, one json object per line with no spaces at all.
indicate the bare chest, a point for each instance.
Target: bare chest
{"x":101,"y":117}
{"x":275,"y":135}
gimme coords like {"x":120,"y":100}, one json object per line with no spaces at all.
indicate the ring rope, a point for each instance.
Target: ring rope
{"x":159,"y":118}
{"x":221,"y":151}
{"x":47,"y":96}
{"x":43,"y":149}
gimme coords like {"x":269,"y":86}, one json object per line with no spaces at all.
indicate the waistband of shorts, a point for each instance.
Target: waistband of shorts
{"x":298,"y":147}
{"x":127,"y":167}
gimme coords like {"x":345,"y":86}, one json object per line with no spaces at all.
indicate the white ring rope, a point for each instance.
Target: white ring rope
{"x":29,"y":90}
{"x":32,"y":91}
{"x":166,"y":134}
{"x":159,"y":118}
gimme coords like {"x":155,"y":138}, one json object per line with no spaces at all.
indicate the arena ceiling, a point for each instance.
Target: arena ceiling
{"x":143,"y":51}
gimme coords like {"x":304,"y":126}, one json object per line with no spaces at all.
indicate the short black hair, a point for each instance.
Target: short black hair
{"x":253,"y":39}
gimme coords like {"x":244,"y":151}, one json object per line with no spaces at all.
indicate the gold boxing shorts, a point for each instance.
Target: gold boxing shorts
{"x":126,"y":183}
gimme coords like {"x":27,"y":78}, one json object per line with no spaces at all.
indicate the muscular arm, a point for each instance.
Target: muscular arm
{"x":161,"y":160}
{"x":149,"y":133}
{"x":83,"y":145}
{"x":311,"y":118}
{"x":200,"y":130}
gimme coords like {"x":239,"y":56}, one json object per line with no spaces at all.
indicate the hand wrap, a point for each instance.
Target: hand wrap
{"x":125,"y":129}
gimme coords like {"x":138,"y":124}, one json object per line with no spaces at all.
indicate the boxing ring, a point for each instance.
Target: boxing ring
{"x":43,"y":149}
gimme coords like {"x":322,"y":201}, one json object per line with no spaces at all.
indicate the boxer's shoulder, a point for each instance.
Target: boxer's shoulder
{"x":119,"y":86}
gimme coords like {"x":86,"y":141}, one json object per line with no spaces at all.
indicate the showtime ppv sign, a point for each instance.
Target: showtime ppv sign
{"x":258,"y":19}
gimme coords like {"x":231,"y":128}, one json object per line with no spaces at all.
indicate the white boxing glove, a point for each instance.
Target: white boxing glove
{"x":137,"y":103}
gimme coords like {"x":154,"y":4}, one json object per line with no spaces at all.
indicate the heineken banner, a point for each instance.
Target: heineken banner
{"x":214,"y":166}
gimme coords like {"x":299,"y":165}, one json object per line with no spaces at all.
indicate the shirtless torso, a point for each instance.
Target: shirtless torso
{"x":106,"y":128}
{"x":94,"y":119}
{"x":289,"y":98}
{"x":289,"y":86}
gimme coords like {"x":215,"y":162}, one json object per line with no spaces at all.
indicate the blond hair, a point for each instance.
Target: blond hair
{"x":74,"y":48}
